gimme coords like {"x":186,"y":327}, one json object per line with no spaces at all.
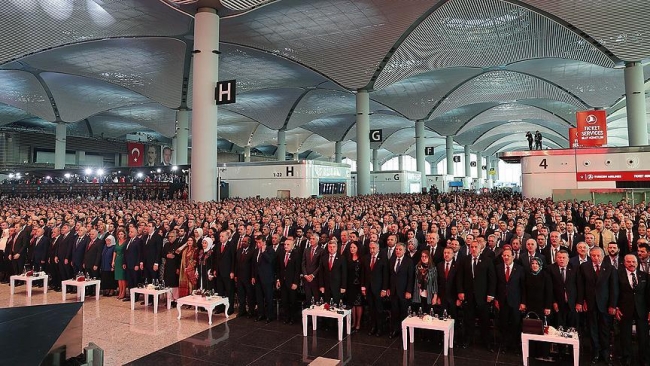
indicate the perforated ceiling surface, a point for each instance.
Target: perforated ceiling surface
{"x":471,"y":68}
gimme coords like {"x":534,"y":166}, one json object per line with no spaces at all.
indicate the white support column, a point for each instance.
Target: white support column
{"x":338,"y":156}
{"x":80,"y":157}
{"x":495,"y":165}
{"x":400,"y":162}
{"x":204,"y":113}
{"x":59,"y":146}
{"x":637,"y":126}
{"x":363,"y":142}
{"x":419,"y":152}
{"x":183,"y":136}
{"x":118,"y":159}
{"x":281,"y":152}
{"x":449,"y":145}
{"x":247,"y":154}
{"x":479,"y":170}
{"x":434,"y":168}
{"x":488,"y":165}
{"x":468,"y":169}
{"x":375,"y":161}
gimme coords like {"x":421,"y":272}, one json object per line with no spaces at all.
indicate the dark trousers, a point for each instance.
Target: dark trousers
{"x":264,"y":296}
{"x":566,"y":316}
{"x":132,"y":277}
{"x":599,"y":325}
{"x":53,"y":270}
{"x":510,"y":325}
{"x":149,"y":273}
{"x":18,"y":265}
{"x":470,"y":311}
{"x":311,"y":291}
{"x":289,"y":300}
{"x":376,"y":307}
{"x":245,"y":295}
{"x":65,"y":270}
{"x":225,"y":288}
{"x":398,"y":310}
{"x":642,"y":337}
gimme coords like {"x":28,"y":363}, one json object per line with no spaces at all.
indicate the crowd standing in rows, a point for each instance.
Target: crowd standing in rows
{"x":577,"y":264}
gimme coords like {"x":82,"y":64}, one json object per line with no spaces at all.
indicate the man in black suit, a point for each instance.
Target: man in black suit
{"x":582,"y":255}
{"x":374,"y":286}
{"x":133,"y":258}
{"x":633,"y":307}
{"x":289,"y":279}
{"x":263,"y":278}
{"x":571,"y":238}
{"x":311,"y":269}
{"x":401,"y":282}
{"x":614,"y":258}
{"x":476,"y":284}
{"x":510,"y":299}
{"x":41,"y":247}
{"x":224,"y":267}
{"x":619,"y":238}
{"x":447,"y":293}
{"x":63,"y":256}
{"x":597,"y":296}
{"x":435,"y":249}
{"x":565,"y":290}
{"x":530,"y":252}
{"x":93,"y":254}
{"x":243,"y":275}
{"x":79,"y":245}
{"x":332,"y":281}
{"x":52,"y":267}
{"x":19,"y":248}
{"x":151,"y":253}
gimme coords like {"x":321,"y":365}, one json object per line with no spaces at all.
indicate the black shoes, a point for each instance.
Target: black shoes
{"x":372,"y":331}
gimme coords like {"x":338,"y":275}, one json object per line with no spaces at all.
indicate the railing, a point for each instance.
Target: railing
{"x":631,"y":195}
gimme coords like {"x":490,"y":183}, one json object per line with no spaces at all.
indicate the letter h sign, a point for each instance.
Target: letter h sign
{"x":225,"y":92}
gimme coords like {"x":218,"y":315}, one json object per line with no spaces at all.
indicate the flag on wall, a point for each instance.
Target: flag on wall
{"x":136,"y":153}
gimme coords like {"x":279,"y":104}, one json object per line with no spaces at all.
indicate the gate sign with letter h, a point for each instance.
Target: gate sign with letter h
{"x":376,"y":136}
{"x":225,"y":92}
{"x":428,"y":151}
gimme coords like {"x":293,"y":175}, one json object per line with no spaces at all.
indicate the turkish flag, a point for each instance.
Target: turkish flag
{"x":136,"y":153}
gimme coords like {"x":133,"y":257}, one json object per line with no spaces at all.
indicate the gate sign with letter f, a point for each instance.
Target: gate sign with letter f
{"x":225,"y":92}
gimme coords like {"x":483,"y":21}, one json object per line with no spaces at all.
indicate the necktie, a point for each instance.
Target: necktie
{"x":372,"y":263}
{"x":259,"y":253}
{"x":397,"y":264}
{"x":634,"y":283}
{"x":597,"y":269}
{"x":78,"y":241}
{"x":563,"y":274}
{"x":223,"y":247}
{"x":446,"y":270}
{"x":127,"y":245}
{"x":600,"y":240}
{"x":570,"y":242}
{"x":390,"y":253}
{"x":507,"y":273}
{"x":286,"y":259}
{"x":516,"y":255}
{"x":474,"y":267}
{"x":553,"y":256}
{"x":331,"y":261}
{"x":503,"y":237}
{"x":90,"y":245}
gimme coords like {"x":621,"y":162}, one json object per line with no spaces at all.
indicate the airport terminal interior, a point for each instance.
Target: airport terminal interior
{"x":324,"y":182}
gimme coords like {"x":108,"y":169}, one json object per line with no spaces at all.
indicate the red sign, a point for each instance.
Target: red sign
{"x":592,"y":128}
{"x":639,"y":175}
{"x":136,"y":153}
{"x":574,"y":141}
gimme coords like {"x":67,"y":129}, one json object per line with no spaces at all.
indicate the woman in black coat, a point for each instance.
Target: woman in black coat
{"x":539,"y":299}
{"x":171,"y":262}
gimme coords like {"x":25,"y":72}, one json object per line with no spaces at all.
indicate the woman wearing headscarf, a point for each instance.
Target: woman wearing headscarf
{"x":198,"y":236}
{"x":204,"y":263}
{"x":108,"y":283}
{"x":539,"y":299}
{"x":188,"y":277}
{"x":171,"y":262}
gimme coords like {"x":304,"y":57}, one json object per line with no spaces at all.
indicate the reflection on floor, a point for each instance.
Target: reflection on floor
{"x":242,"y":341}
{"x":124,"y":335}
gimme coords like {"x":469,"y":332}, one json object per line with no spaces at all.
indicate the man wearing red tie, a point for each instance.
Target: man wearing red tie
{"x":93,"y":255}
{"x":333,"y":280}
{"x":510,"y":289}
{"x":225,"y":257}
{"x":374,"y":286}
{"x":288,"y":280}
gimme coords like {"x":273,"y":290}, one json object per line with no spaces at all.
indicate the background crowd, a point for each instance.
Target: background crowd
{"x":492,"y":257}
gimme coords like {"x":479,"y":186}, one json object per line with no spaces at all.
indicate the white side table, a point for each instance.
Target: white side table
{"x":207,"y":304}
{"x":446,"y":326}
{"x":28,"y":280}
{"x":574,"y":341}
{"x":320,"y":312}
{"x":81,"y":288}
{"x":156,"y":293}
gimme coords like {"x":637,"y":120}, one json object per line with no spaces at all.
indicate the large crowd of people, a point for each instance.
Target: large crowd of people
{"x":493,"y":257}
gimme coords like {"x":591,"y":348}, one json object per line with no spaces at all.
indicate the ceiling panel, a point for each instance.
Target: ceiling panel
{"x":23,"y":90}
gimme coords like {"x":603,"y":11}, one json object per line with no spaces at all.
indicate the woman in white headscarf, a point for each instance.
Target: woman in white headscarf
{"x":198,"y":236}
{"x":206,"y":277}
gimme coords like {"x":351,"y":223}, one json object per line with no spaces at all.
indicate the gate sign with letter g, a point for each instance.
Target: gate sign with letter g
{"x":376,"y":136}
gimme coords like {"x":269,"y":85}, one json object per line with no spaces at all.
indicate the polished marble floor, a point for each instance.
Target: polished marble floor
{"x":124,"y":335}
{"x":242,"y":341}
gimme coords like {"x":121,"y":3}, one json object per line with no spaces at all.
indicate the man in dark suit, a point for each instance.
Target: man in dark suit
{"x":476,"y":284}
{"x":333,"y":274}
{"x":530,"y":252}
{"x":79,"y":249}
{"x":510,"y":299}
{"x":633,"y":307}
{"x":311,"y":269}
{"x":571,"y":238}
{"x":151,"y":253}
{"x":41,"y":247}
{"x":582,"y":255}
{"x":93,"y":254}
{"x":19,"y":248}
{"x":565,"y":290}
{"x":619,"y":238}
{"x":263,"y":278}
{"x":447,"y":293}
{"x":52,"y":267}
{"x":243,"y":275}
{"x":289,"y":279}
{"x":435,"y":249}
{"x":597,"y":296}
{"x":401,"y":282}
{"x":225,"y":257}
{"x":133,"y":258}
{"x":63,"y":256}
{"x":374,"y":286}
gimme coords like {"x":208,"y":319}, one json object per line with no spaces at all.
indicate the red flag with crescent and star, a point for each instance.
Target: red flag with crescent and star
{"x":136,"y":153}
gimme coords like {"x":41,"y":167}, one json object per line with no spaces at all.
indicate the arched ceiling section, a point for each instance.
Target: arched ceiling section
{"x":518,"y":129}
{"x":416,"y":96}
{"x":332,"y":128}
{"x":448,"y":123}
{"x":318,"y":144}
{"x":235,"y":127}
{"x":441,"y":154}
{"x":327,"y":34}
{"x":110,"y":126}
{"x":503,"y":140}
{"x":9,"y":114}
{"x":484,"y":33}
{"x":152,"y":67}
{"x":22,"y":90}
{"x":38,"y":25}
{"x":295,"y":138}
{"x":503,"y":86}
{"x":269,"y":107}
{"x":563,"y":110}
{"x":435,"y":142}
{"x":388,"y":123}
{"x":401,"y":141}
{"x":597,"y":86}
{"x":620,"y":26}
{"x":263,"y":135}
{"x":152,"y":115}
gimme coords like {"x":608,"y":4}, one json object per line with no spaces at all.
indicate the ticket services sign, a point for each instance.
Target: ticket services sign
{"x":592,"y":128}
{"x":574,"y":142}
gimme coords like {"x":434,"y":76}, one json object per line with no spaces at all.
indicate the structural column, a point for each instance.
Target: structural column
{"x":338,"y":156}
{"x":204,"y":113}
{"x":183,"y":135}
{"x":488,"y":166}
{"x":59,"y":146}
{"x":434,"y":168}
{"x":468,"y":168}
{"x":281,"y":152}
{"x":247,"y":153}
{"x":375,"y":161}
{"x":80,"y":157}
{"x":495,"y":166}
{"x":450,"y":155}
{"x":419,"y":152}
{"x":400,"y":162}
{"x":363,"y":142}
{"x":637,"y":127}
{"x":479,"y":170}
